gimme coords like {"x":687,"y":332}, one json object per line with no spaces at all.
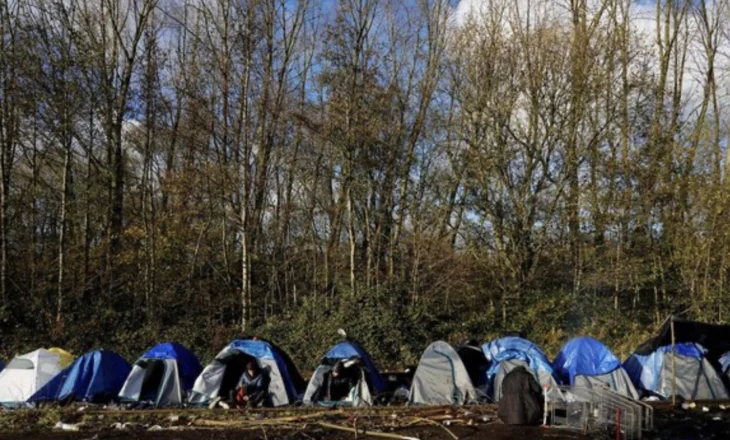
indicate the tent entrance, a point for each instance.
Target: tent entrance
{"x":235,"y":365}
{"x":154,"y":381}
{"x":154,"y":373}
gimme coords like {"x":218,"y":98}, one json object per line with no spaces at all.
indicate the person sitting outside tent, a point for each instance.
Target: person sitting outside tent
{"x":522,"y":398}
{"x":338,"y":383}
{"x":253,"y":387}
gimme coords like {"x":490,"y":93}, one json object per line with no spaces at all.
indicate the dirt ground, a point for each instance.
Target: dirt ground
{"x":702,"y":421}
{"x":493,"y":431}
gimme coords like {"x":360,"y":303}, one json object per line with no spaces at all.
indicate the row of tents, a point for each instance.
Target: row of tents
{"x":686,"y":360}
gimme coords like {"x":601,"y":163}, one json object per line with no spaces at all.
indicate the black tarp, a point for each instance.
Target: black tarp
{"x":714,"y":337}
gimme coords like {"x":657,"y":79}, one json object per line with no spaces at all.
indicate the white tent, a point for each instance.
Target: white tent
{"x":28,"y":373}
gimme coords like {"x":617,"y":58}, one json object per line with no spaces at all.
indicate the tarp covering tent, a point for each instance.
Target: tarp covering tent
{"x":370,"y":384}
{"x":162,"y":376}
{"x":694,"y":378}
{"x":585,"y":362}
{"x":223,"y":374}
{"x":507,"y":353}
{"x":28,"y":373}
{"x":715,"y":338}
{"x":95,"y":377}
{"x":441,"y":378}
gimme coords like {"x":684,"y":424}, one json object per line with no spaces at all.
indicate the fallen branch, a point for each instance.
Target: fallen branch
{"x":448,"y":431}
{"x":364,"y":432}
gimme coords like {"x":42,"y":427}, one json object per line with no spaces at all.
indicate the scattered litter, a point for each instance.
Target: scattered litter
{"x":174,"y":418}
{"x":717,"y":418}
{"x":66,"y":427}
{"x":705,"y":409}
{"x":723,"y":407}
{"x":118,"y":425}
{"x":156,"y":428}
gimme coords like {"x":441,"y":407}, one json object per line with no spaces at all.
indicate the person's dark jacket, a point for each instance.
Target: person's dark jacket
{"x":337,"y":388}
{"x":256,"y":387}
{"x":522,"y":399}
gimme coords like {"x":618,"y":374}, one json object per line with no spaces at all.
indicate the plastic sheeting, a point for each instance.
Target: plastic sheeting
{"x":695,"y":376}
{"x":441,"y":378}
{"x":95,"y":377}
{"x":348,"y":349}
{"x":713,"y":337}
{"x":584,"y":356}
{"x":187,"y":363}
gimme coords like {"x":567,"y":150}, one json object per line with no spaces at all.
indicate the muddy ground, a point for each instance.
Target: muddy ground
{"x":709,"y":421}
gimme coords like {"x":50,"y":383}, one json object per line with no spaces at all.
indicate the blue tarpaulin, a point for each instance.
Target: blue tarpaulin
{"x":513,"y":347}
{"x":584,"y":356}
{"x":645,"y":370}
{"x":348,"y":349}
{"x":263,"y":350}
{"x":97,"y":376}
{"x":188,"y":364}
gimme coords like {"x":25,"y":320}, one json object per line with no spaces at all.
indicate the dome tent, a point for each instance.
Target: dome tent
{"x":441,"y":378}
{"x":26,"y":374}
{"x":369,"y":384}
{"x":162,"y":376}
{"x":586,"y":362}
{"x":694,"y":376}
{"x":507,"y":353}
{"x":95,"y":377}
{"x":222,"y":375}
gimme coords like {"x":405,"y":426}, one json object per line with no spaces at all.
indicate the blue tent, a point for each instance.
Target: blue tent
{"x":506,"y":353}
{"x":348,"y":349}
{"x":187,"y":363}
{"x":584,"y":356}
{"x":693,"y":376}
{"x":586,"y":362}
{"x":97,"y":376}
{"x":260,"y":349}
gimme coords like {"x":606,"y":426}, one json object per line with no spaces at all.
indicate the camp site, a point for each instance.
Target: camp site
{"x":311,"y":219}
{"x":673,"y":383}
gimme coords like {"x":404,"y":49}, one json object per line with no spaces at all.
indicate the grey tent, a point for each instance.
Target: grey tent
{"x":359,"y":395}
{"x":586,"y":363}
{"x":223,"y":374}
{"x":354,"y":358}
{"x":692,"y":377}
{"x":162,"y":376}
{"x":441,"y":378}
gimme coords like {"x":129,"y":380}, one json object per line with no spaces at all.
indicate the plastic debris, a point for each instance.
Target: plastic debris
{"x":156,"y":428}
{"x":705,"y":409}
{"x":66,"y":426}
